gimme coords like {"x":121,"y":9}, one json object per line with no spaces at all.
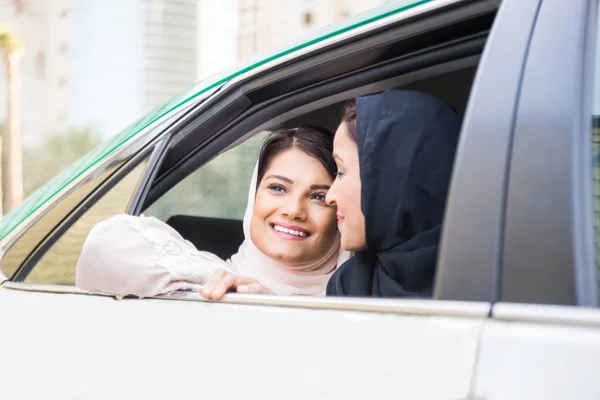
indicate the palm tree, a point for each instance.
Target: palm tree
{"x":14,"y":167}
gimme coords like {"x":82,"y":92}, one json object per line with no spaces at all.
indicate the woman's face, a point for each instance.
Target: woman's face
{"x":345,"y":192}
{"x":291,"y":221}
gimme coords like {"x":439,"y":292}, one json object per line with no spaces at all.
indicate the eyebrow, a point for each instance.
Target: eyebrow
{"x":291,"y":182}
{"x":281,"y":178}
{"x":337,"y":157}
{"x":319,"y":187}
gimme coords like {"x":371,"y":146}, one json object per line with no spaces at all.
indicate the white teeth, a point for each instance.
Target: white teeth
{"x":289,"y":231}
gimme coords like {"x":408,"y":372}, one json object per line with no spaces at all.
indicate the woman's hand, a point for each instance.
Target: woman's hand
{"x":223,"y":280}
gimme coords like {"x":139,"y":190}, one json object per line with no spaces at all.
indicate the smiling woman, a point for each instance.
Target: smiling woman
{"x":293,"y":234}
{"x":291,"y":245}
{"x":291,"y":221}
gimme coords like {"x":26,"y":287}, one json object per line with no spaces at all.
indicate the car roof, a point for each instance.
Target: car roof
{"x":56,"y":185}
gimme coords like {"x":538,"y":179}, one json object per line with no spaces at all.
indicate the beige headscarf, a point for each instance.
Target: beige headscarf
{"x":145,"y":257}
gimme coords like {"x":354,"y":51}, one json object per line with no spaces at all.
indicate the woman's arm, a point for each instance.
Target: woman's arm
{"x":141,"y":256}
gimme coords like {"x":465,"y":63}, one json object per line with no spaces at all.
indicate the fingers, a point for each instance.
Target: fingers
{"x":223,"y":286}
{"x":224,"y":280}
{"x":216,"y":281}
{"x":253,"y":288}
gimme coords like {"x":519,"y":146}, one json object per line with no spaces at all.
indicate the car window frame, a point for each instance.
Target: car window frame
{"x":239,"y":97}
{"x":592,"y":55}
{"x":546,"y":255}
{"x":234,"y":97}
{"x":438,"y":11}
{"x":433,"y":306}
{"x":139,"y":204}
{"x":474,"y":218}
{"x":31,"y":262}
{"x":105,"y":174}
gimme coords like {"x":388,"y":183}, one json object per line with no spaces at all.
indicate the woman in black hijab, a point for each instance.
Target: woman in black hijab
{"x":394,"y":152}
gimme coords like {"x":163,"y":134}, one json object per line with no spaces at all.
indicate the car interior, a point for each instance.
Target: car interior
{"x":224,"y":236}
{"x":437,"y":52}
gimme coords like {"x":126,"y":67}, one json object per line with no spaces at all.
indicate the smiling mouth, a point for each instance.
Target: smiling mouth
{"x":297,"y":233}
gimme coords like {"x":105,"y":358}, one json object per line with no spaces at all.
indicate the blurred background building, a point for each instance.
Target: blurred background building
{"x":91,"y":67}
{"x":44,"y":29}
{"x":129,"y":57}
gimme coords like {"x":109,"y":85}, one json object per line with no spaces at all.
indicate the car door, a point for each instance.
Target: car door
{"x":543,"y":341}
{"x":62,"y":343}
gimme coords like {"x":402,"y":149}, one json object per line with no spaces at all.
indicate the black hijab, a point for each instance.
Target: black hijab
{"x":406,"y":145}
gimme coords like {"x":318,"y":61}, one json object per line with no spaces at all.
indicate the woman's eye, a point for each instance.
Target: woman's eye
{"x":339,"y":173}
{"x":276,"y":188}
{"x":319,"y":197}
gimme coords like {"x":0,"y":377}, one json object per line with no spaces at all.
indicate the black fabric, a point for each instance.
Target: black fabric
{"x":222,"y":237}
{"x":406,"y":146}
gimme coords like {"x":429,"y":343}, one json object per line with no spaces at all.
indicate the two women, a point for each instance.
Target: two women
{"x":394,"y":153}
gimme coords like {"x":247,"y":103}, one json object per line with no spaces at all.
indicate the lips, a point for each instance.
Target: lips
{"x":340,"y":219}
{"x":291,"y":232}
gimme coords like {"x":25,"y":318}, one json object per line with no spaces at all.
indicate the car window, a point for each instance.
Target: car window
{"x":219,"y":189}
{"x":596,"y":155}
{"x":57,"y":265}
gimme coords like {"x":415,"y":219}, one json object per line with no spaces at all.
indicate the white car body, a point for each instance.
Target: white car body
{"x":496,"y":329}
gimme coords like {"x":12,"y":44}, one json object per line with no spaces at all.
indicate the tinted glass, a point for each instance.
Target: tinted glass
{"x":218,"y":189}
{"x":57,"y":265}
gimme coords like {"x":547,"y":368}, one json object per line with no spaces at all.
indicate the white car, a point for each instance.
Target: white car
{"x":514,"y":313}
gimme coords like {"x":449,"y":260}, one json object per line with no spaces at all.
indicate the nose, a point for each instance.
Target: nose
{"x":331,"y":195}
{"x":295,"y":209}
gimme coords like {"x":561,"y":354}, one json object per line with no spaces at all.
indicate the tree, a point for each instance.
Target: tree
{"x":57,"y":152}
{"x":12,"y":53}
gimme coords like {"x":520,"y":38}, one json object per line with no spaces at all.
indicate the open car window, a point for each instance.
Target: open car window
{"x":55,"y":265}
{"x":207,"y":207}
{"x":218,"y":189}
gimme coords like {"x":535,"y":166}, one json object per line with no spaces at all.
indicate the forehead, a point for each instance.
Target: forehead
{"x":343,"y":145}
{"x":299,"y":167}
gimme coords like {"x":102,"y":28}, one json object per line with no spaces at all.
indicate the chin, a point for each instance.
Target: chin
{"x":285,"y":258}
{"x":290,"y":260}
{"x":349,"y":246}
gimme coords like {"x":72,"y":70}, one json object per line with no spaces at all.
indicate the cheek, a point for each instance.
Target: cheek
{"x":325,"y":223}
{"x":264,"y":205}
{"x":256,"y":230}
{"x":327,"y":220}
{"x":259,"y":213}
{"x":355,"y":195}
{"x":342,"y":196}
{"x":354,"y":217}
{"x":350,"y":197}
